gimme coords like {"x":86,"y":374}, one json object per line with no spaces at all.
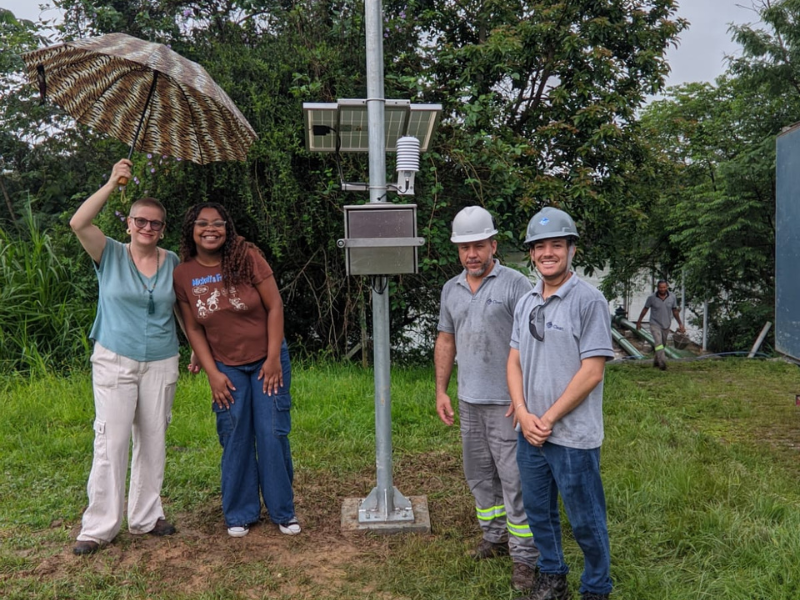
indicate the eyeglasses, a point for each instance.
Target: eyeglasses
{"x":141,"y":223}
{"x":215,"y":224}
{"x":536,"y":323}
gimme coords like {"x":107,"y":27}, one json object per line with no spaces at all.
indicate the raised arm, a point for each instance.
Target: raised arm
{"x":91,"y":238}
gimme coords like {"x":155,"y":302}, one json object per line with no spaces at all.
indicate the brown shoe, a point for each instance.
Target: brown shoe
{"x":162,"y":528}
{"x":487,"y":549}
{"x":85,"y":547}
{"x":522,"y":577}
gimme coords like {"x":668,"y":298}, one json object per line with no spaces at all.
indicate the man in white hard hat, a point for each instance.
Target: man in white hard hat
{"x":560,"y":342}
{"x":475,"y":318}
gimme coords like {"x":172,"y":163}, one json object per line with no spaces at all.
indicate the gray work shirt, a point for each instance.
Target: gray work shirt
{"x":576,"y":325}
{"x":481,"y":323}
{"x":661,"y":310}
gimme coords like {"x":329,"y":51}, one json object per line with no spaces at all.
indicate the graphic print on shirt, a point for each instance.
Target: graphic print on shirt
{"x":208,"y":300}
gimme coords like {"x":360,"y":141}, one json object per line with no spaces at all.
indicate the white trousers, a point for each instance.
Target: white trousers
{"x":131,"y":399}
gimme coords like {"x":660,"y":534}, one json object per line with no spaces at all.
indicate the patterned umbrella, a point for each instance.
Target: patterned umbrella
{"x":143,"y":94}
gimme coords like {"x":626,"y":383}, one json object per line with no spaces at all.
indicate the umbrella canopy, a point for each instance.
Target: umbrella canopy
{"x":143,"y":94}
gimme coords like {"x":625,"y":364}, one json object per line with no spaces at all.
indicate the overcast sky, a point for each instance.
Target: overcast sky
{"x":700,"y":55}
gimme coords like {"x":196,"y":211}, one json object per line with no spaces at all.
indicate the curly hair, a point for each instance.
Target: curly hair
{"x":235,"y":266}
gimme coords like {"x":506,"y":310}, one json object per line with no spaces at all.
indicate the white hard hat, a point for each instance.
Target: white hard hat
{"x":472,"y":224}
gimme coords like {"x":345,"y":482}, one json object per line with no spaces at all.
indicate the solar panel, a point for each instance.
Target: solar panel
{"x":348,"y":120}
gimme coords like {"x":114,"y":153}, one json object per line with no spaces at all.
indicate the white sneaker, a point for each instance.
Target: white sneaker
{"x":239,"y":531}
{"x":290,"y":528}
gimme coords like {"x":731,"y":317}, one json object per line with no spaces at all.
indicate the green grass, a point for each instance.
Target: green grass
{"x":700,"y":466}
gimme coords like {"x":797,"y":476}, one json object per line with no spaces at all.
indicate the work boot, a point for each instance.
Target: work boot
{"x":84,"y":547}
{"x":487,"y":549}
{"x":593,"y":596}
{"x":522,"y":577}
{"x":162,"y":527}
{"x":550,"y":586}
{"x":662,"y":364}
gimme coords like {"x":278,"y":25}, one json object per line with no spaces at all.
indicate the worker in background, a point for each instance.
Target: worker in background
{"x":664,"y":306}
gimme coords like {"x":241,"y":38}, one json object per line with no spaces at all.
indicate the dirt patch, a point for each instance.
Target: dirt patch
{"x":265,"y":563}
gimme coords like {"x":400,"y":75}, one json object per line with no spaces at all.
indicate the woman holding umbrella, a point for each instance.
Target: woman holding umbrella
{"x":134,"y":367}
{"x":233,"y":314}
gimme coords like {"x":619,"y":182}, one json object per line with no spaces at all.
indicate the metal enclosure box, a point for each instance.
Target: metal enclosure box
{"x":380,"y":239}
{"x":787,"y":243}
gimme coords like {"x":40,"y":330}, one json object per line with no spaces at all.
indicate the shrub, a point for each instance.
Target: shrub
{"x":44,"y":319}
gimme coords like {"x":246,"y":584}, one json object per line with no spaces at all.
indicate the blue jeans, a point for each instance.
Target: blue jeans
{"x":575,"y":474}
{"x":253,"y":434}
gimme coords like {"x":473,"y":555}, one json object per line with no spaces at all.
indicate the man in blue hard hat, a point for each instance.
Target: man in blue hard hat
{"x":560,"y":342}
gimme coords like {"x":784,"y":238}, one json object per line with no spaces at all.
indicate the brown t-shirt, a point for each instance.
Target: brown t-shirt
{"x":234,"y":318}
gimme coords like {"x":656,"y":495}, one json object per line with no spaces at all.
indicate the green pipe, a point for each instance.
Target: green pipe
{"x":645,"y":335}
{"x":625,"y":344}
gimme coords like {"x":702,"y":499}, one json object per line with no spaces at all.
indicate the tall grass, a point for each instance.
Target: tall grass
{"x":44,"y":320}
{"x":700,"y":466}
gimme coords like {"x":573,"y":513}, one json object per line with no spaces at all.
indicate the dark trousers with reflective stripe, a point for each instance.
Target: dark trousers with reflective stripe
{"x":660,"y":336}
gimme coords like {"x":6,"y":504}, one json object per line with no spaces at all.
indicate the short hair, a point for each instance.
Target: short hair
{"x":151,"y":202}
{"x":571,"y":241}
{"x":660,"y":281}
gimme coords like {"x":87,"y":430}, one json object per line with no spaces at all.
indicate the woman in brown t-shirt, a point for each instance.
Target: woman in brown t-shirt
{"x":233,"y":315}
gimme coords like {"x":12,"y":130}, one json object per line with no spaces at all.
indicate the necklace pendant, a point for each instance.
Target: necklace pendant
{"x":151,"y":306}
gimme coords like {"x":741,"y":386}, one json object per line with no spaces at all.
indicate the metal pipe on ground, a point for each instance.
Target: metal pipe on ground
{"x":645,"y":335}
{"x":626,"y":345}
{"x":760,"y":339}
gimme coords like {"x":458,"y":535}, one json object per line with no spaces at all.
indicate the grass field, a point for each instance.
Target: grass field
{"x":701,"y":467}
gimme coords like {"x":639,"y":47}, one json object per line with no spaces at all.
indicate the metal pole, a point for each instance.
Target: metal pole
{"x":760,"y":339}
{"x":705,"y":325}
{"x":683,"y":296}
{"x":383,"y":397}
{"x":384,"y":503}
{"x":375,"y":101}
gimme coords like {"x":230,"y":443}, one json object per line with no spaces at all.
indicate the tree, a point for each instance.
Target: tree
{"x":712,"y":148}
{"x":539,"y":99}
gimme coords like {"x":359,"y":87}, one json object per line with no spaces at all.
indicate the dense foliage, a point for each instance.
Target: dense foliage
{"x":540,"y":107}
{"x":711,"y":201}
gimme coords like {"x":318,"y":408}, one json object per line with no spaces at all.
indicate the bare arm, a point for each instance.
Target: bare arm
{"x":194,"y":365}
{"x":677,"y":314}
{"x":641,"y":316}
{"x":514,"y":380}
{"x":538,"y":429}
{"x":220,"y":384}
{"x":583,"y":382}
{"x":444,"y":355}
{"x":91,"y":238}
{"x":272,"y":373}
{"x":530,"y":425}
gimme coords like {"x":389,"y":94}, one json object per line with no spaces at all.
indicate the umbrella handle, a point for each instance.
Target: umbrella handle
{"x":124,"y":180}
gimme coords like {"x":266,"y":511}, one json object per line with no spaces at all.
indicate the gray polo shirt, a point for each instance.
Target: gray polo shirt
{"x":576,"y":325}
{"x":661,"y":310}
{"x":481,"y":324}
